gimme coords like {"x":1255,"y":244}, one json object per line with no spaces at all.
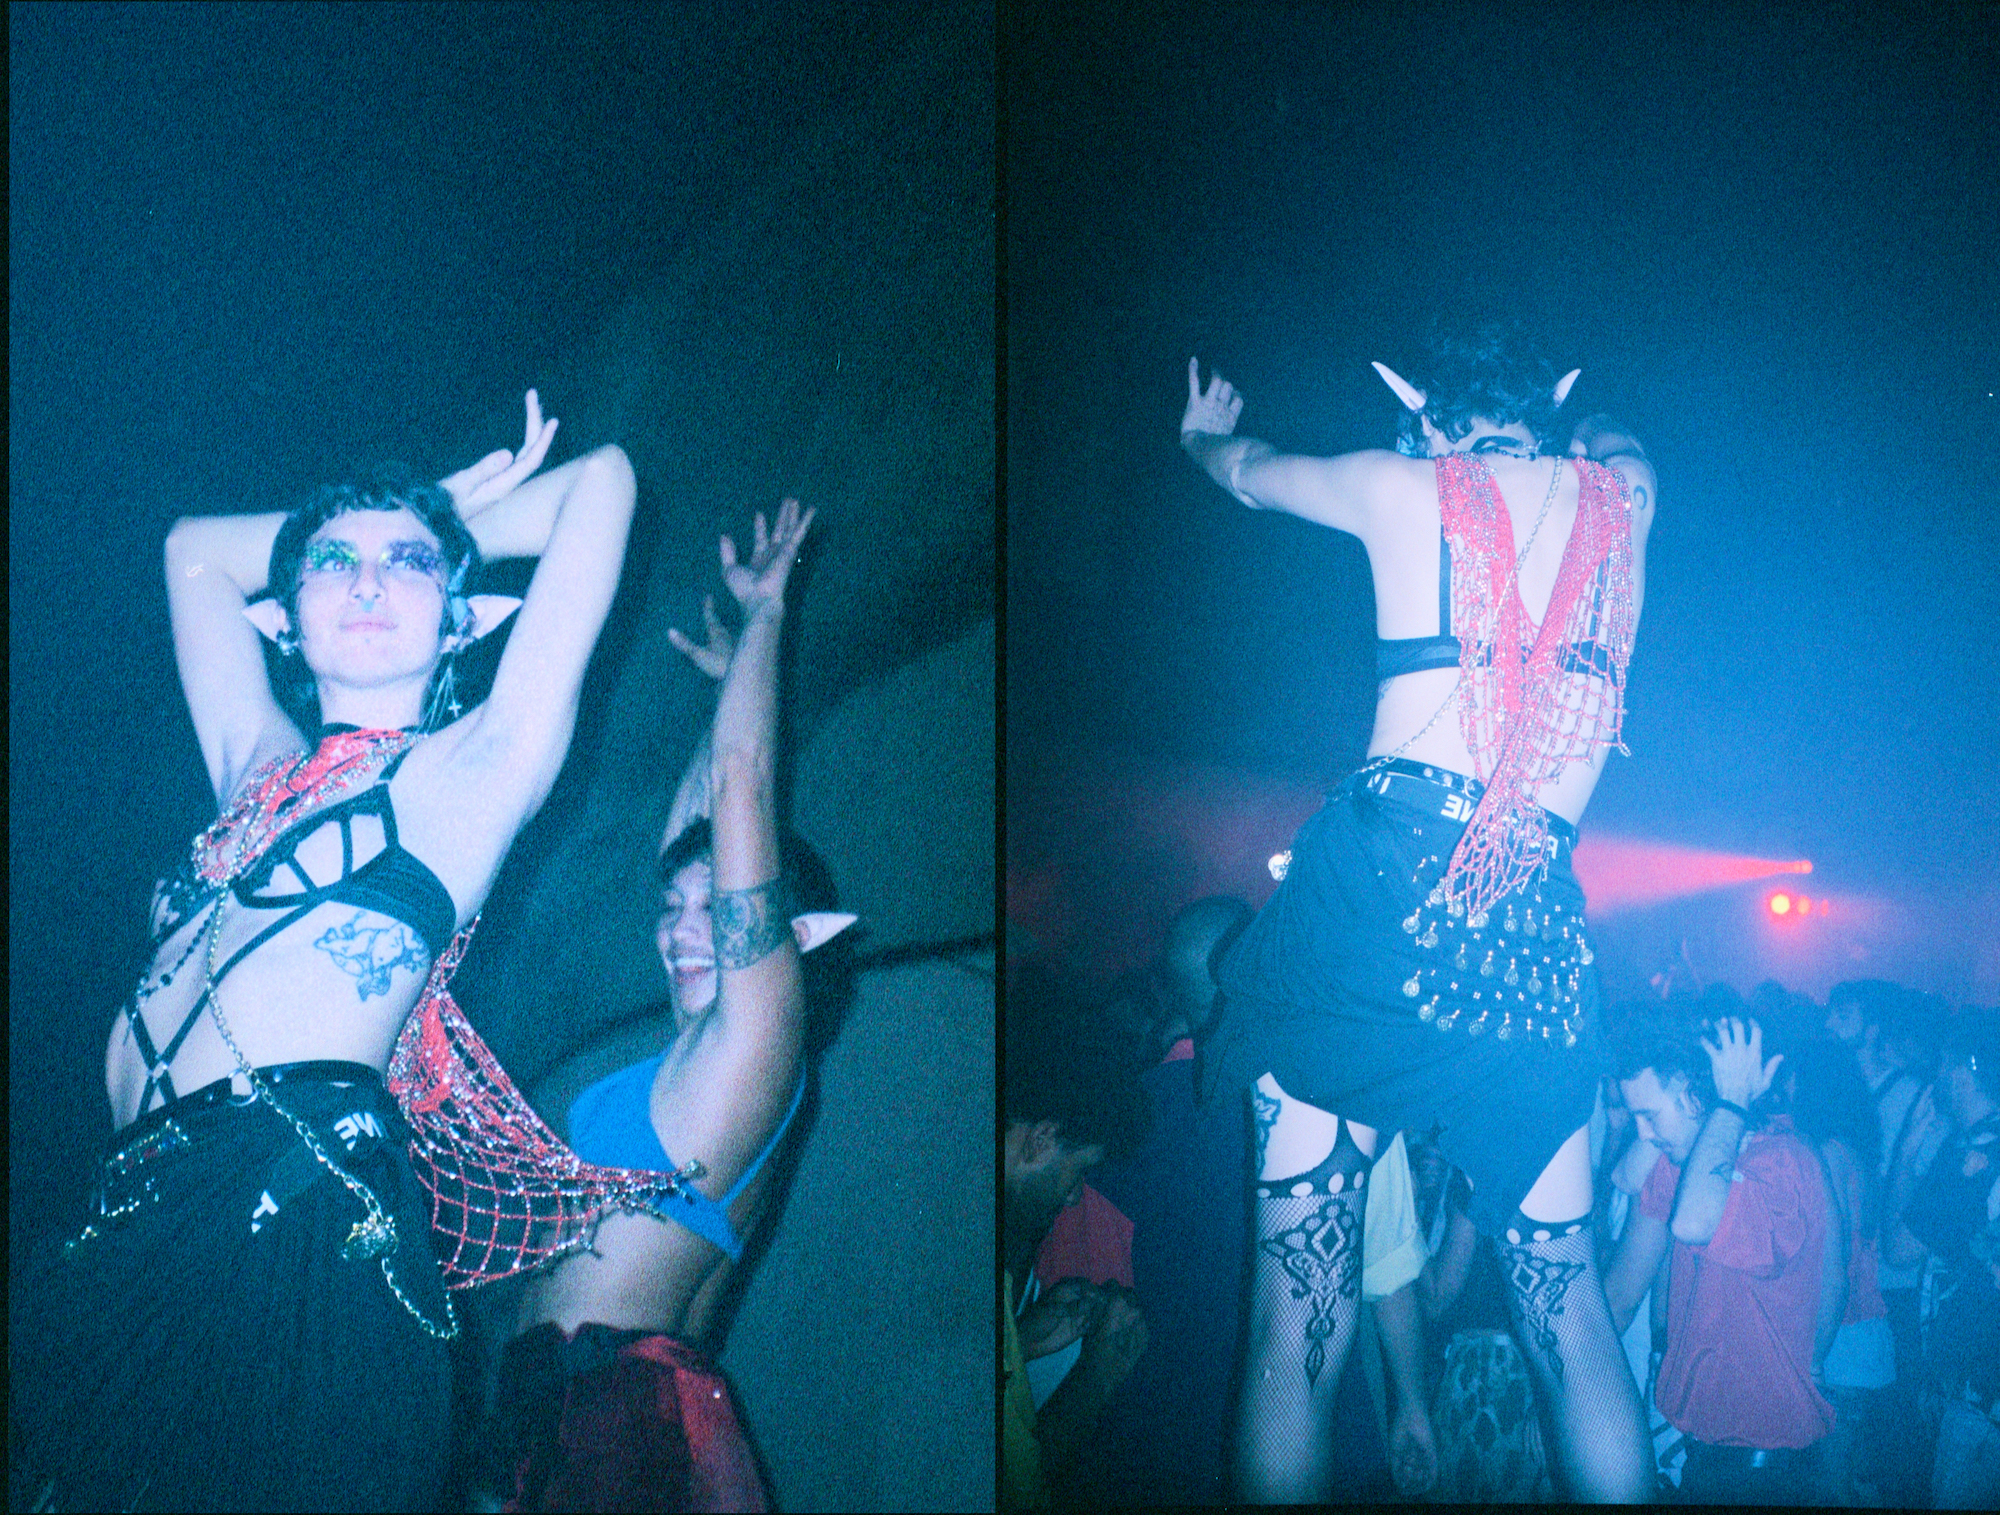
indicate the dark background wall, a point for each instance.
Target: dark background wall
{"x":1765,"y":234}
{"x":253,"y":248}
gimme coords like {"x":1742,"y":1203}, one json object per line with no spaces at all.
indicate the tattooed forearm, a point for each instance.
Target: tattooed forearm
{"x":370,"y":955}
{"x":751,"y":924}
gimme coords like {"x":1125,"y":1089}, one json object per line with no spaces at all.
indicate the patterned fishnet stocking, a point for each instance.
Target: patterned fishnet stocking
{"x":1305,"y":1304}
{"x":1564,"y":1327}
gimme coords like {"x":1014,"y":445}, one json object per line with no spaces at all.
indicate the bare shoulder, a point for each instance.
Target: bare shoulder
{"x":1642,"y":486}
{"x":1353,"y":492}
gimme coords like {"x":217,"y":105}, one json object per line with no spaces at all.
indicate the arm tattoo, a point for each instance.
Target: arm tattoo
{"x":371,"y":954}
{"x":751,"y":924}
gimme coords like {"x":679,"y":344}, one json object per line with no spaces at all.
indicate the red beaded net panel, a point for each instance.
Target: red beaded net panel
{"x":506,"y":1194}
{"x":1535,"y":698}
{"x":284,"y":792}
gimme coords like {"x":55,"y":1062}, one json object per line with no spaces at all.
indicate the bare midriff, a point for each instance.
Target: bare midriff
{"x":641,"y":1274}
{"x":1412,"y":699}
{"x":287,"y":1002}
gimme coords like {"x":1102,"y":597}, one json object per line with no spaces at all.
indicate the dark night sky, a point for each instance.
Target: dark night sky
{"x":253,"y":248}
{"x":1766,"y":234}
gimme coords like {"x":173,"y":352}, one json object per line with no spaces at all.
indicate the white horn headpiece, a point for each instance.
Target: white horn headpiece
{"x":1563,"y":384}
{"x":1411,"y":396}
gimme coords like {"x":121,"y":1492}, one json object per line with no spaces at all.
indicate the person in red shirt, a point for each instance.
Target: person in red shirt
{"x":1746,"y":1208}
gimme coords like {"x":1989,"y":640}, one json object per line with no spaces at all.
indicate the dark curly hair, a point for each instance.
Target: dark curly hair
{"x":804,"y":870}
{"x":391,"y":486}
{"x":1494,"y":371}
{"x":1668,"y":1044}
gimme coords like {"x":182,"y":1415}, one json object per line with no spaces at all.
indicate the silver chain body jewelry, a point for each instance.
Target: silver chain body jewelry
{"x":375,"y":1235}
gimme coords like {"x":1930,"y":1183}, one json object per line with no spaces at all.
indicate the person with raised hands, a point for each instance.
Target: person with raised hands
{"x":1424,"y":963}
{"x":1743,"y":1202}
{"x":614,"y":1342}
{"x":253,"y":1316}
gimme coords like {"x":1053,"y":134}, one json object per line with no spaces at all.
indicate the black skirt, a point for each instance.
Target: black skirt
{"x":1362,"y":995}
{"x":203,"y":1344}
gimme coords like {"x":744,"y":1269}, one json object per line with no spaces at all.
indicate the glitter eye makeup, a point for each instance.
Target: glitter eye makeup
{"x":331,"y":557}
{"x":414,"y":557}
{"x":404,"y":559}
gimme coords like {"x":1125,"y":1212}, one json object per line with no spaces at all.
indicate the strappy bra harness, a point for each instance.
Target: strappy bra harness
{"x":1399,"y":655}
{"x":392,"y":882}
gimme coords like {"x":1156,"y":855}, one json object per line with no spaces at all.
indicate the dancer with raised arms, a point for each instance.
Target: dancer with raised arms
{"x":1425,"y":960}
{"x":254,"y":1317}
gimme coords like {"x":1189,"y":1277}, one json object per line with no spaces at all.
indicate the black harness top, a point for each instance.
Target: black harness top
{"x":1395,"y":656}
{"x":394,"y":882}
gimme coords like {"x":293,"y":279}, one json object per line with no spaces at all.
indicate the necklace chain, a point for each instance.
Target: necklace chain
{"x":1555,"y":478}
{"x":374,"y":1236}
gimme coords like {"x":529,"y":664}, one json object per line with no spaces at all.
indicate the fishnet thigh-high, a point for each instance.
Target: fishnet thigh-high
{"x":1581,"y":1377}
{"x":1305,"y":1303}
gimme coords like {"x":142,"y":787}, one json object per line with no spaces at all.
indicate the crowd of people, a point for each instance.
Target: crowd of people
{"x":1796,"y":1218}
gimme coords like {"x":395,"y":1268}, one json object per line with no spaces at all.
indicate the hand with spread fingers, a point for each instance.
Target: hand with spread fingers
{"x":1213,"y":412}
{"x":498,"y":474}
{"x":759,"y":585}
{"x":1737,"y":1058}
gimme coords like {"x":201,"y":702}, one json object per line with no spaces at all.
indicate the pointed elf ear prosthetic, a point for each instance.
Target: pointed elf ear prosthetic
{"x":1563,"y":386}
{"x":489,"y":611}
{"x":269,"y":617}
{"x":818,"y":927}
{"x":1411,"y":396}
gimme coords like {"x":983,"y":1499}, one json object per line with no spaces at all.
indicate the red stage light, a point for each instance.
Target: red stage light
{"x":1623,"y":873}
{"x":1781,"y":904}
{"x":1805,"y":905}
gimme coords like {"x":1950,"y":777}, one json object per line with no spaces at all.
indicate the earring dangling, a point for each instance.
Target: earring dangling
{"x":286,"y":643}
{"x":444,"y":697}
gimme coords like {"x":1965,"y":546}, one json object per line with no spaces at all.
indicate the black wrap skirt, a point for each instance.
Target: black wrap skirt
{"x":204,"y":1344}
{"x":1360,"y":992}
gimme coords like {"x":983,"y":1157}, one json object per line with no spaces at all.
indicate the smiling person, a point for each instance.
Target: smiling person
{"x":608,"y":1398}
{"x":1424,"y":961}
{"x":253,"y":1318}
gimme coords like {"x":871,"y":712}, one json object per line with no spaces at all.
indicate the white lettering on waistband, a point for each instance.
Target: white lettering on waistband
{"x":265,"y":1206}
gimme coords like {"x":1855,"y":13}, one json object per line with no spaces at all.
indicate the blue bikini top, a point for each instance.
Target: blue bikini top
{"x":611,"y":1124}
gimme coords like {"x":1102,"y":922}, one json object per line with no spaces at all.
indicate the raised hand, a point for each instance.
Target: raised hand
{"x":1212,"y":413}
{"x":1737,"y":1060}
{"x":759,"y":585}
{"x":496,"y":475}
{"x":712,"y":659}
